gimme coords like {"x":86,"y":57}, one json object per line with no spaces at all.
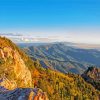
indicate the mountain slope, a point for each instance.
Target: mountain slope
{"x":15,"y":76}
{"x":64,"y":58}
{"x":12,"y":65}
{"x":66,"y":86}
{"x":19,"y":76}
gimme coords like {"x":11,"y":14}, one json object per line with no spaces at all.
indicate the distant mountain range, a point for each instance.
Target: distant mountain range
{"x":64,"y":57}
{"x":77,"y":45}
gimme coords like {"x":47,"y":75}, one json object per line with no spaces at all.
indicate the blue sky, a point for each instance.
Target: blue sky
{"x":51,"y":18}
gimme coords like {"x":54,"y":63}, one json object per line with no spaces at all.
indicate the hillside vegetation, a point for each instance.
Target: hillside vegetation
{"x":17,"y":70}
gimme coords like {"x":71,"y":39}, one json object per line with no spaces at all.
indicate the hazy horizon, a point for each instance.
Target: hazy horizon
{"x":50,"y":20}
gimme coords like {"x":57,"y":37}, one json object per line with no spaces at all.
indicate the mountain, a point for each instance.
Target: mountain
{"x":83,"y":45}
{"x":13,"y":65}
{"x":14,"y":72}
{"x":71,"y":44}
{"x":92,"y":76}
{"x":64,"y":58}
{"x":22,"y":45}
{"x":24,"y":79}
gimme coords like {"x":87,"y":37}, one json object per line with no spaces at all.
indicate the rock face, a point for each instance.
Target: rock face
{"x":13,"y":68}
{"x":9,"y":84}
{"x":23,"y":94}
{"x":92,"y":76}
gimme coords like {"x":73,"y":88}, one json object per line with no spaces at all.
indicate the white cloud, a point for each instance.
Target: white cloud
{"x":90,"y":36}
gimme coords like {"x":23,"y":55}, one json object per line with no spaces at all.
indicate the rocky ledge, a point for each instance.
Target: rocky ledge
{"x":22,"y":94}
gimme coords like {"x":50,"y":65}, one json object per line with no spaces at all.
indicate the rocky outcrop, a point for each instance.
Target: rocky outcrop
{"x":9,"y":84}
{"x":23,"y":94}
{"x":92,"y":76}
{"x":14,"y":65}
